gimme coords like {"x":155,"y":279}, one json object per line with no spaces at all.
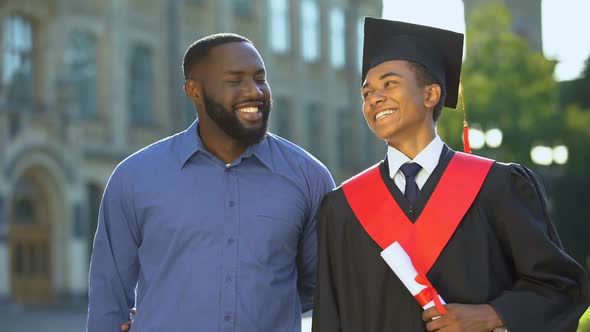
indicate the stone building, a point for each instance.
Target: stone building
{"x":84,"y":83}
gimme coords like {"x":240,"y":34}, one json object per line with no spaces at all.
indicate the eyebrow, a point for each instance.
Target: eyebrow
{"x":242,"y":72}
{"x":384,"y":76}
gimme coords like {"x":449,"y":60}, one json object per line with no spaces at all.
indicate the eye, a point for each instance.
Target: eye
{"x":390,"y":83}
{"x":260,"y":80}
{"x":367,"y":93}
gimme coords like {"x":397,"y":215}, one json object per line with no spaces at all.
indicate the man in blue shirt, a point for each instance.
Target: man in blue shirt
{"x":212,"y":229}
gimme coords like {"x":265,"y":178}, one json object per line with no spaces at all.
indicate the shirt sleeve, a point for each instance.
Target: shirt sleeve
{"x":114,"y":264}
{"x":320,"y":183}
{"x":325,"y":310}
{"x":551,"y":290}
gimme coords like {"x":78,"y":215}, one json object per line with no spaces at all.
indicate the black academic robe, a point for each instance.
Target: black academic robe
{"x":505,"y":252}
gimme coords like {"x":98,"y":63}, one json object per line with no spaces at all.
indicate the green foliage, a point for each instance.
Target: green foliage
{"x":507,"y":85}
{"x":585,"y":322}
{"x":576,"y":91}
{"x":510,"y":86}
{"x":577,"y":136}
{"x":571,"y":188}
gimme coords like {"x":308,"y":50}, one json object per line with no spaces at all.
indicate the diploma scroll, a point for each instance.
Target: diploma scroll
{"x":398,"y":260}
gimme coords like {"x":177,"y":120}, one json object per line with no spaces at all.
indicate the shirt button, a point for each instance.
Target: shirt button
{"x":228,"y":278}
{"x":232,"y":203}
{"x":227,"y":318}
{"x":230,"y":240}
{"x":228,"y":170}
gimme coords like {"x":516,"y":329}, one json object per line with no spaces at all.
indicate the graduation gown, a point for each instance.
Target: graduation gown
{"x":505,"y":252}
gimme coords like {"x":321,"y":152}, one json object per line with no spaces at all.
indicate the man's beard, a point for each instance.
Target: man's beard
{"x":229,"y":122}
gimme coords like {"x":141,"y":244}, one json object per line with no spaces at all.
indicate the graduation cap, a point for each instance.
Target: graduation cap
{"x":439,"y":51}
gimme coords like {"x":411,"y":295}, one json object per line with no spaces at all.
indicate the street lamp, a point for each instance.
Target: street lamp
{"x":542,"y":155}
{"x":560,"y":154}
{"x":494,"y":138}
{"x":478,"y":138}
{"x":545,"y":155}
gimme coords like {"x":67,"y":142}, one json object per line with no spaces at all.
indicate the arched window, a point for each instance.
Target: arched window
{"x":24,"y":211}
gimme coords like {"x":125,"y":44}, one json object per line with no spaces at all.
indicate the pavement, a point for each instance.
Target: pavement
{"x":59,"y":318}
{"x":42,"y":318}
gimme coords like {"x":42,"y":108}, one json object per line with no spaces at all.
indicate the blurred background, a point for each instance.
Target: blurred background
{"x":85,"y":83}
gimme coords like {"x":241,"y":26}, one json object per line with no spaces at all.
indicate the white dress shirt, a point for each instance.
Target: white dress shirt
{"x":427,"y":158}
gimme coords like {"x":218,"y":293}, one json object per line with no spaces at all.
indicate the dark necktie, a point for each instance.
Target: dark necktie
{"x":410,"y":170}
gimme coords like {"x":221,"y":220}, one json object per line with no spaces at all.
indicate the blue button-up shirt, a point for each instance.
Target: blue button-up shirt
{"x":197,"y":245}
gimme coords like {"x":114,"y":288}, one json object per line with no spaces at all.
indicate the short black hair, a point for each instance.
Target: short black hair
{"x":201,"y":48}
{"x":424,"y":77}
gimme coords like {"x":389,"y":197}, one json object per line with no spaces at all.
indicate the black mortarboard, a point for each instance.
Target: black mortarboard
{"x":440,"y":51}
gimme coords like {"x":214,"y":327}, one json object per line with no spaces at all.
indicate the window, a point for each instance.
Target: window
{"x":94,"y":196}
{"x":190,"y":112}
{"x":310,"y":34}
{"x":282,"y":116}
{"x":141,"y":85}
{"x":371,"y":143}
{"x":17,"y":58}
{"x":243,"y":8}
{"x":24,"y":203}
{"x":3,"y":218}
{"x":314,"y":130}
{"x":346,"y":121}
{"x":80,"y":57}
{"x":337,"y":40}
{"x":279,"y":25}
{"x":360,"y":34}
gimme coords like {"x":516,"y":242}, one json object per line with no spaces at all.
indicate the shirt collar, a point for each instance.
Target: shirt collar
{"x":191,"y":143}
{"x":262,"y":152}
{"x":427,"y":158}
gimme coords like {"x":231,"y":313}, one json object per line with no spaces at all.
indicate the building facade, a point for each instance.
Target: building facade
{"x":85,"y":83}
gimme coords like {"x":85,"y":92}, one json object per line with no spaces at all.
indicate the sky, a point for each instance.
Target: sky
{"x":566,"y":28}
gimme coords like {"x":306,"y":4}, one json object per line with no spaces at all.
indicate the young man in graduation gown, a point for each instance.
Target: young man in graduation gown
{"x":477,"y":231}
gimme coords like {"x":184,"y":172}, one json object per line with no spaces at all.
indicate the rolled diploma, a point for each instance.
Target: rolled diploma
{"x":398,"y":260}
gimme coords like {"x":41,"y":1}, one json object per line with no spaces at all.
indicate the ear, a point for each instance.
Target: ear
{"x":193,"y":89}
{"x":432,"y":94}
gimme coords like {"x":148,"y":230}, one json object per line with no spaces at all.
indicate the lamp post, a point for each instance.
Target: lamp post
{"x":545,"y":155}
{"x":492,"y":138}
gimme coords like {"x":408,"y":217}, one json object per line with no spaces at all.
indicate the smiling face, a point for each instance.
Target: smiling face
{"x":234,"y":95}
{"x":395,"y":106}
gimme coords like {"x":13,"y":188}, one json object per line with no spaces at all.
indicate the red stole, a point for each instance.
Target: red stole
{"x":424,"y":240}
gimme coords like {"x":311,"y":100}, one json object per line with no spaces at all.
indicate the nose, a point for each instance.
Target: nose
{"x":375,"y":99}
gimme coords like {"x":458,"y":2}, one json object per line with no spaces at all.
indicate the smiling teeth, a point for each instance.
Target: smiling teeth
{"x":248,"y":109}
{"x":383,"y":114}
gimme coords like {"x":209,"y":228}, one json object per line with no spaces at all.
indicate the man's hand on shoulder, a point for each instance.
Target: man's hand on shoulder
{"x":462,"y":317}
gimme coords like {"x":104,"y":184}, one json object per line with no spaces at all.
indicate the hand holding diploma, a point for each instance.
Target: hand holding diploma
{"x":420,"y":287}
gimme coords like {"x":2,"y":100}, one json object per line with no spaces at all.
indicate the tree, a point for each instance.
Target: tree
{"x":576,"y":91}
{"x":585,"y":322}
{"x":510,"y":86}
{"x":507,"y":85}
